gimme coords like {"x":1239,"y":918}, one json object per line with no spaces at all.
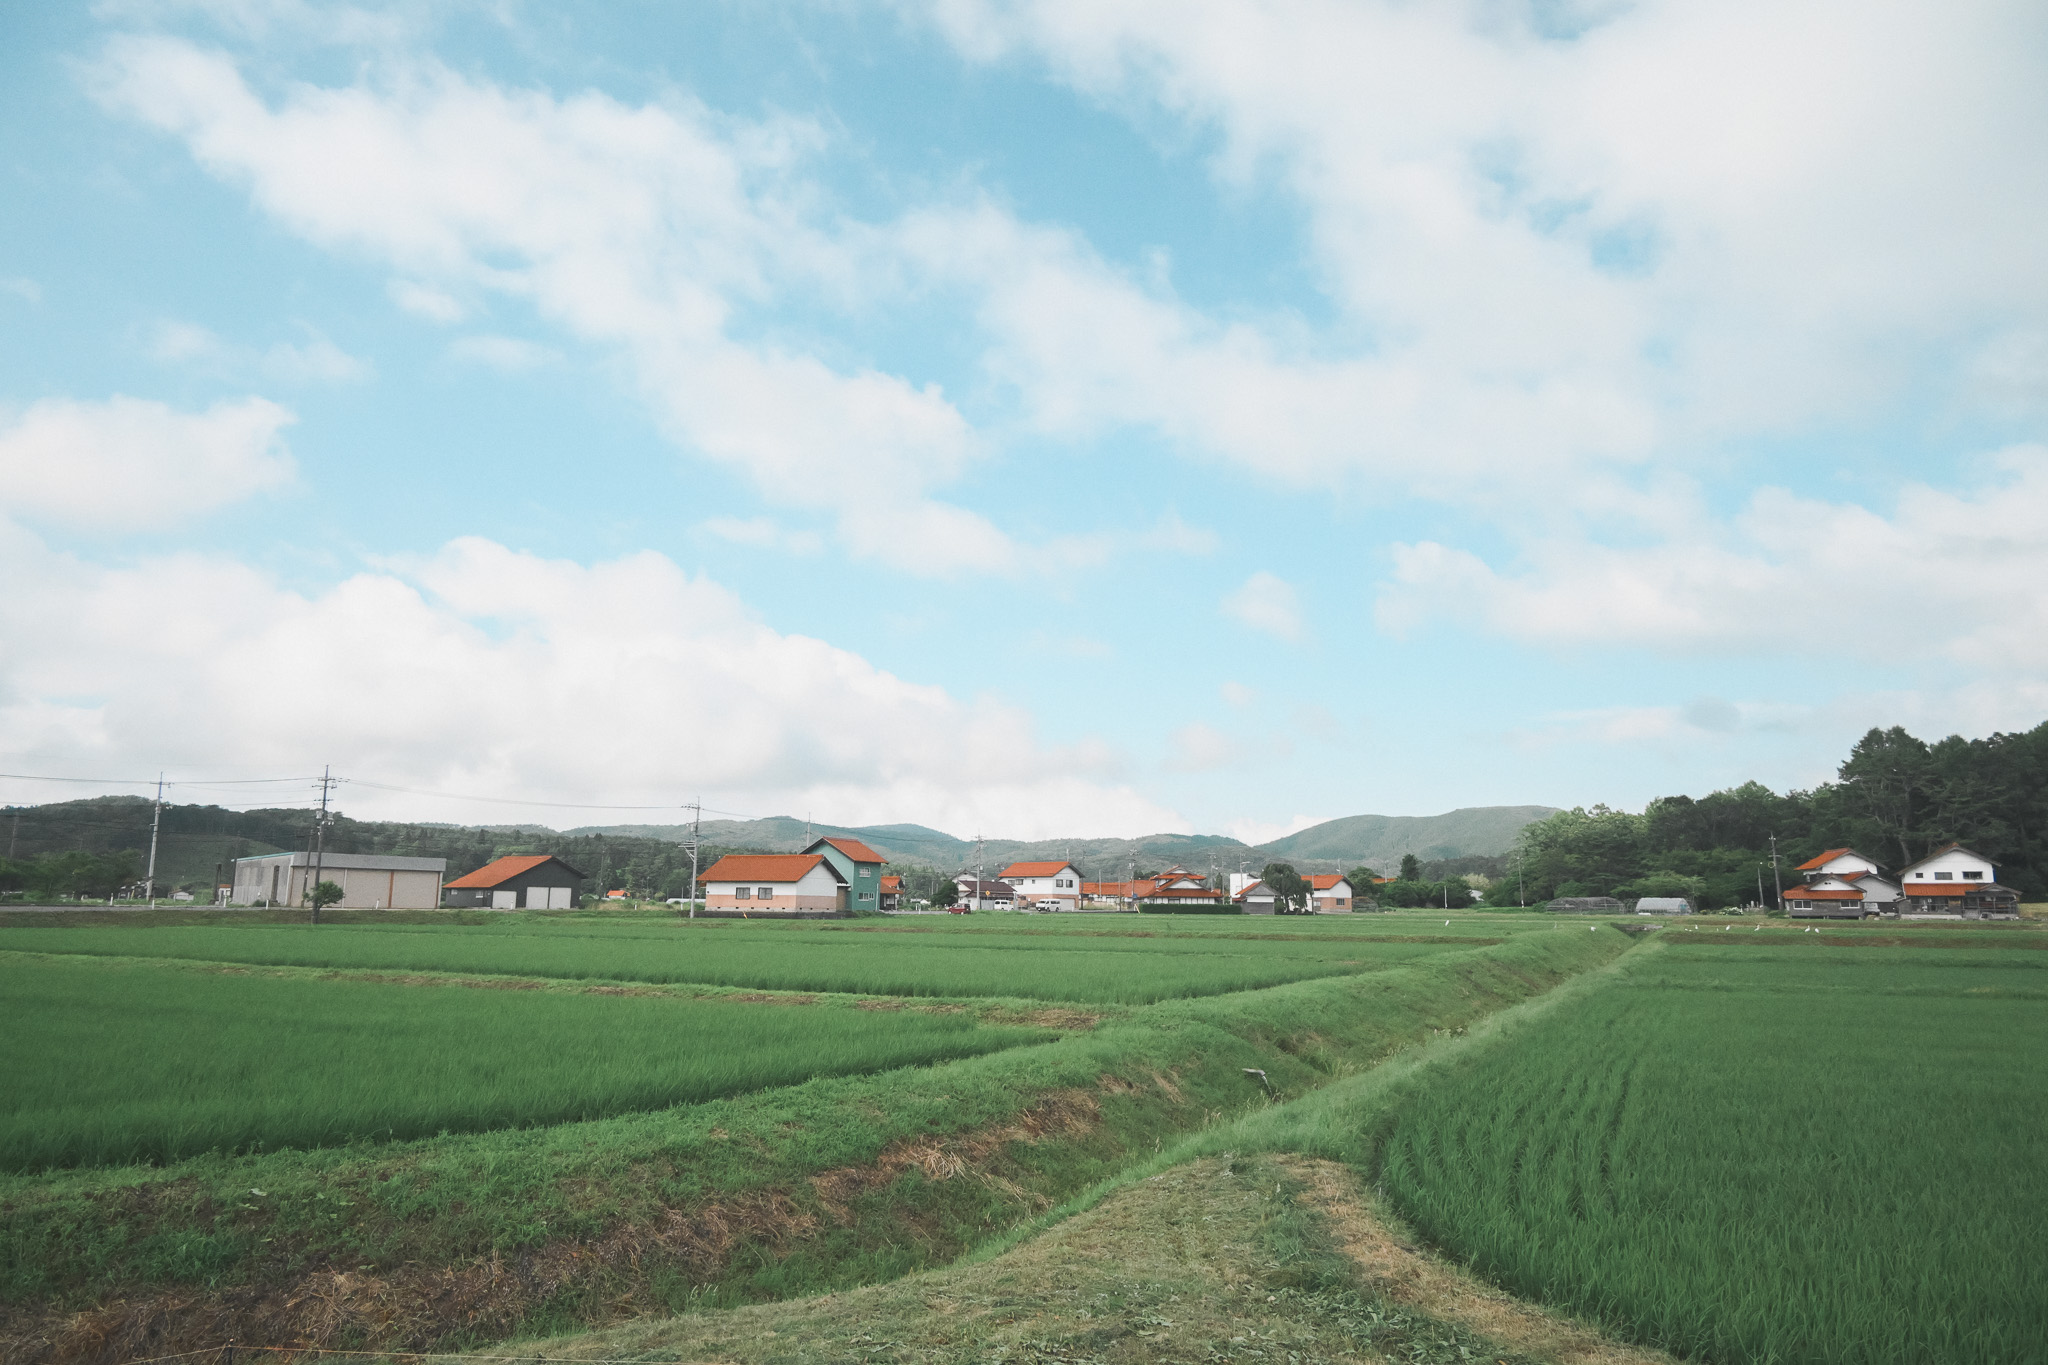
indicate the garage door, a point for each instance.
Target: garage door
{"x":504,"y":900}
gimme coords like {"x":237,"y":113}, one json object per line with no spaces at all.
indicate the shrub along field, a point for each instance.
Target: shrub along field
{"x":789,"y":956}
{"x":109,"y":1061}
{"x":1770,"y":1150}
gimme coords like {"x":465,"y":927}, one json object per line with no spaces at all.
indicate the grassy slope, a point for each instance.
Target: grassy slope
{"x":830,"y":1183}
{"x":1218,"y":1260}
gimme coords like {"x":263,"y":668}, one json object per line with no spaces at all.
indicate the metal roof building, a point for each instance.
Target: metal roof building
{"x":368,"y":881}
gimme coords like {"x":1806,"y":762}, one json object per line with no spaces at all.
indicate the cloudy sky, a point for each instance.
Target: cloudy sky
{"x":1026,"y":416}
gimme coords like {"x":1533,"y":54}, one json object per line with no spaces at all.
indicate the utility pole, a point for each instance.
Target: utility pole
{"x":696,"y":826}
{"x":16,"y":834}
{"x":1521,"y":886}
{"x":156,"y":816}
{"x":977,"y":874}
{"x":1777,"y":883}
{"x":1759,"y":886}
{"x":320,"y":842}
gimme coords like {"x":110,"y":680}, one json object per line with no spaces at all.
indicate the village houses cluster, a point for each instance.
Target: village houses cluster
{"x":837,"y":876}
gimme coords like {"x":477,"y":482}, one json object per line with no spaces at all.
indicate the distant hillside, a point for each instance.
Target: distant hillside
{"x":1381,"y":839}
{"x":1335,"y":846}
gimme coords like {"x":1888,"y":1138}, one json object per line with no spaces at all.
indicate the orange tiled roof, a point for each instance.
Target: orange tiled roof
{"x":502,"y":870}
{"x":762,"y":867}
{"x":1950,"y":888}
{"x":1814,"y":863}
{"x":1035,"y":869}
{"x":892,"y":883}
{"x":1323,"y":881}
{"x":856,"y":850}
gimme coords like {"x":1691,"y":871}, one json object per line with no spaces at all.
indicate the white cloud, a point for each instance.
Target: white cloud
{"x":21,"y":287}
{"x":1266,"y":602}
{"x":644,"y":228}
{"x":423,"y":301}
{"x":172,"y":343}
{"x":761,"y":533}
{"x":316,"y":360}
{"x":130,"y":462}
{"x":1691,"y":222}
{"x":1952,"y":573}
{"x":1237,"y":694}
{"x":1199,"y":748}
{"x":509,"y":354}
{"x":624,"y":682}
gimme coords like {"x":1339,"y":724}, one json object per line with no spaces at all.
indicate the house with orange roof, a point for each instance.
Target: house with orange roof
{"x":1330,"y":893}
{"x":774,"y":886}
{"x":892,"y":893}
{"x":859,"y":869}
{"x":1954,"y":883}
{"x":531,"y":881}
{"x":1050,"y":885}
{"x":1841,"y":883}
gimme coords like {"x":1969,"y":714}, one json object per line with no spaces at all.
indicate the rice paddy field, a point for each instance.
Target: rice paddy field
{"x":1761,"y":1147}
{"x":1077,"y":965}
{"x":117,"y":1061}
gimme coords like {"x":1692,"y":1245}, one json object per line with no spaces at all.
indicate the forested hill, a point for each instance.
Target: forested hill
{"x":194,"y":843}
{"x":1897,"y":799}
{"x":1381,"y":840}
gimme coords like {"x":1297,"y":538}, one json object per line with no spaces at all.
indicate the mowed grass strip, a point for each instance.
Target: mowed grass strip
{"x":1742,"y":1172}
{"x":1117,"y":971}
{"x":107,"y":1062}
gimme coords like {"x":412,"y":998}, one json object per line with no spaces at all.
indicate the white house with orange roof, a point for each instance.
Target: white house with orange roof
{"x":1330,"y":893}
{"x":774,"y":886}
{"x":1841,"y":884}
{"x":1041,"y":882}
{"x":1954,"y":883}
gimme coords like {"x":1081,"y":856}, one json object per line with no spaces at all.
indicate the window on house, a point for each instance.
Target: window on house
{"x":1944,"y":876}
{"x":1973,"y":876}
{"x":766,"y":893}
{"x":864,"y":871}
{"x":742,"y":893}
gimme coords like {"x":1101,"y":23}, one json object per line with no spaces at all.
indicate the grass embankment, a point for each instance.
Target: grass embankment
{"x":1787,"y":1151}
{"x":831,"y":1183}
{"x":110,"y":1061}
{"x":1218,"y":1260}
{"x":776,"y":956}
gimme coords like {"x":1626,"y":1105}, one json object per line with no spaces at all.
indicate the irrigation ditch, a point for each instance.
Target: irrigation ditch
{"x":461,"y":1240}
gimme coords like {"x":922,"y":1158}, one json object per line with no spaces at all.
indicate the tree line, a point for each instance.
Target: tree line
{"x":1897,"y":798}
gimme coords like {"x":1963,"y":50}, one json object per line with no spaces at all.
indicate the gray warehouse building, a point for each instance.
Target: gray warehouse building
{"x":368,"y":881}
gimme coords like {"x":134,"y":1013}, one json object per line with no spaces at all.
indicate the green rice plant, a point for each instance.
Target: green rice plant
{"x":1757,"y":1156}
{"x":114,"y":1061}
{"x":777,"y":957}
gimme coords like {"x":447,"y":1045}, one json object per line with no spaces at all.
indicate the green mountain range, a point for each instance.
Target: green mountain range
{"x":195,"y":843}
{"x":1333,"y":846}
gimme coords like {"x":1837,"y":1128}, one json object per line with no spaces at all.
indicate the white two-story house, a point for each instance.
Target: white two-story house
{"x":1841,"y":884}
{"x":1953,"y":882}
{"x":1059,"y":883}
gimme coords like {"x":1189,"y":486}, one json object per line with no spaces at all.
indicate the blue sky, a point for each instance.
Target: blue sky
{"x":1029,"y":417}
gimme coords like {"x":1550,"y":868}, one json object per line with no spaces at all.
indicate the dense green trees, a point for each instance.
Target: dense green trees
{"x":1289,"y":888}
{"x":1898,"y":798}
{"x":68,"y":875}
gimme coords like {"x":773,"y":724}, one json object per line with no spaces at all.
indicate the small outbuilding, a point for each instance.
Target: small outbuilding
{"x":521,"y":881}
{"x":368,"y":881}
{"x":1663,"y":905}
{"x":1585,"y":905}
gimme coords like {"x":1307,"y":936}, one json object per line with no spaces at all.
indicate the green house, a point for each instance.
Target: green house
{"x":859,"y":869}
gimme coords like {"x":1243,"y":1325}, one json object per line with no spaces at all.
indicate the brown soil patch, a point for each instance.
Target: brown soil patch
{"x":766,"y":998}
{"x":1060,"y":1114}
{"x":1050,"y":1017}
{"x":1415,"y":1279}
